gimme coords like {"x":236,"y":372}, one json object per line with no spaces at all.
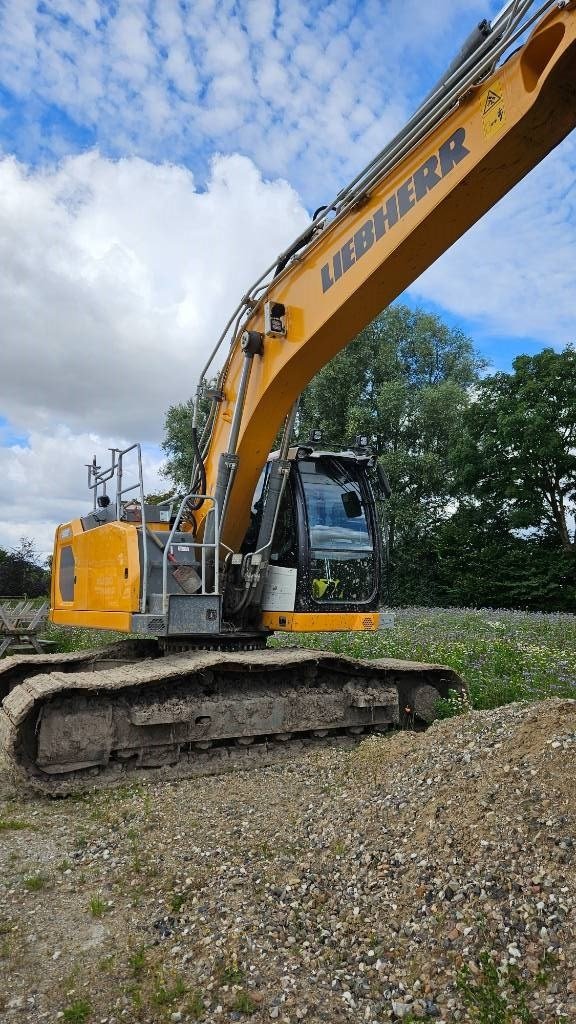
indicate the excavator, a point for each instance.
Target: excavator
{"x":286,"y":540}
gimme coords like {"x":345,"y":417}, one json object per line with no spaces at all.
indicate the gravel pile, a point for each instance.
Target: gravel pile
{"x":420,"y":877}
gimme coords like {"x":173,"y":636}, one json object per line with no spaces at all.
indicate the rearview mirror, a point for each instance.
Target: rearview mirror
{"x":352,"y":504}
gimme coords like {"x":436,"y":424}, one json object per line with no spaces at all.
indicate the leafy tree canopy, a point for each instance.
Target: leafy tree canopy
{"x":177,"y":441}
{"x":517,"y":454}
{"x":21,"y":571}
{"x":483,"y":471}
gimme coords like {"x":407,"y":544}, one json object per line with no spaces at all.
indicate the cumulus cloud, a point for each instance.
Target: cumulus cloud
{"x":118,"y":276}
{"x":117,"y":279}
{"x":43,"y":482}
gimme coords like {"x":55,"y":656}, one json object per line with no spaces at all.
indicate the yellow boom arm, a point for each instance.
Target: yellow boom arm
{"x":355,"y":266}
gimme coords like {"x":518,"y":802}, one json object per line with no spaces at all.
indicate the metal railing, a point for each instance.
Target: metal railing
{"x":203,"y":546}
{"x":97,"y":480}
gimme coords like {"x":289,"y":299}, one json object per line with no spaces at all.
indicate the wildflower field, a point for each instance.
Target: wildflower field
{"x":503,"y":656}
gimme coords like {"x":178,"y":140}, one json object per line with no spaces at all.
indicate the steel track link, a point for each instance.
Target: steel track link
{"x":195,"y":764}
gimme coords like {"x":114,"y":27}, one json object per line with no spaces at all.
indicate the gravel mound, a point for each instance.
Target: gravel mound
{"x":423,"y":876}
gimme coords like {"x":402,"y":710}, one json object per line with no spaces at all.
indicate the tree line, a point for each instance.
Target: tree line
{"x":482,"y":466}
{"x":22,"y":573}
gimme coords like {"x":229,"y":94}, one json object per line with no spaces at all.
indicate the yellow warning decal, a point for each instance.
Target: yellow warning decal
{"x":491,"y":99}
{"x":493,"y":109}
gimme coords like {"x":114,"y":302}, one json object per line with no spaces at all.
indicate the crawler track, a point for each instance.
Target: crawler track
{"x":88,"y":721}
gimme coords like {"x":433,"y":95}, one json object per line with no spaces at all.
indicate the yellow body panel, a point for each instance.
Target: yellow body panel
{"x":319,"y":622}
{"x":106,"y":575}
{"x":358,"y":265}
{"x":121,"y":622}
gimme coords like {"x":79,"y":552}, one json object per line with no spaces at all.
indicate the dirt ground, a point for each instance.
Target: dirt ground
{"x":422,"y":876}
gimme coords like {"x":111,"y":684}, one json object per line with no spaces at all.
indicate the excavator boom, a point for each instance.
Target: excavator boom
{"x":388,"y":233}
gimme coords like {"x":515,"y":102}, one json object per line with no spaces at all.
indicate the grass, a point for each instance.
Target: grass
{"x":137,"y":962}
{"x":243,"y":1003}
{"x":98,"y":906}
{"x":195,"y":1006}
{"x":177,"y":901}
{"x":231,"y":973}
{"x":485,"y":997}
{"x":78,"y":1012}
{"x":504,"y":656}
{"x":72,"y":638}
{"x":168,"y":991}
{"x":6,"y":927}
{"x":500,"y":996}
{"x":13,"y":824}
{"x":35,"y":883}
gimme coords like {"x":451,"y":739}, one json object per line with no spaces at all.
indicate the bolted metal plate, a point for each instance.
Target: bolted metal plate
{"x":198,"y":613}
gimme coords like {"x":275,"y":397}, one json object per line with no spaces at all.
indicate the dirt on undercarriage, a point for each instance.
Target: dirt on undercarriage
{"x":73,"y":723}
{"x":421,"y":876}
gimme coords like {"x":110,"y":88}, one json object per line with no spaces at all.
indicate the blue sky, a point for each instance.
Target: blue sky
{"x":155,"y":155}
{"x":307,"y":90}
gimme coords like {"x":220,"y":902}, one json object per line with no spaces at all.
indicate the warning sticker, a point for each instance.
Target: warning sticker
{"x":491,"y":98}
{"x":493,"y":109}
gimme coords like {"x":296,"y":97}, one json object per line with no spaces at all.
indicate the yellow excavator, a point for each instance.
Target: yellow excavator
{"x":288,"y":541}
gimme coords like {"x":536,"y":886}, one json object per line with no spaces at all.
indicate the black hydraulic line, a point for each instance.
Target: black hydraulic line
{"x":195,"y":504}
{"x":302,"y":241}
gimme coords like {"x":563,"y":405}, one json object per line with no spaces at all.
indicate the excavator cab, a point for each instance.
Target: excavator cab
{"x":139,"y":568}
{"x":325,"y":559}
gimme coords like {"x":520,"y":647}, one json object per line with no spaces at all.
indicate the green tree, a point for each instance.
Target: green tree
{"x":177,"y":442}
{"x":474,"y":560}
{"x":517,"y":455}
{"x":21,"y":572}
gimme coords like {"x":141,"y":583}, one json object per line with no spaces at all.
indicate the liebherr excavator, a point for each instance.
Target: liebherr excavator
{"x":288,"y":541}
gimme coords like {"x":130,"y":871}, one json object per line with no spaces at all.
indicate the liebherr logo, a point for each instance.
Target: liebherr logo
{"x":397,"y":206}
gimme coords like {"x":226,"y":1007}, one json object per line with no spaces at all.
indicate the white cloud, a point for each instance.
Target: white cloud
{"x":117,"y":279}
{"x":310,"y":91}
{"x":119,"y":275}
{"x":44,"y":483}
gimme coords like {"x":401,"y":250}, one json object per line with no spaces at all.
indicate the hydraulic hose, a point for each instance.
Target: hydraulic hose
{"x":197,"y":503}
